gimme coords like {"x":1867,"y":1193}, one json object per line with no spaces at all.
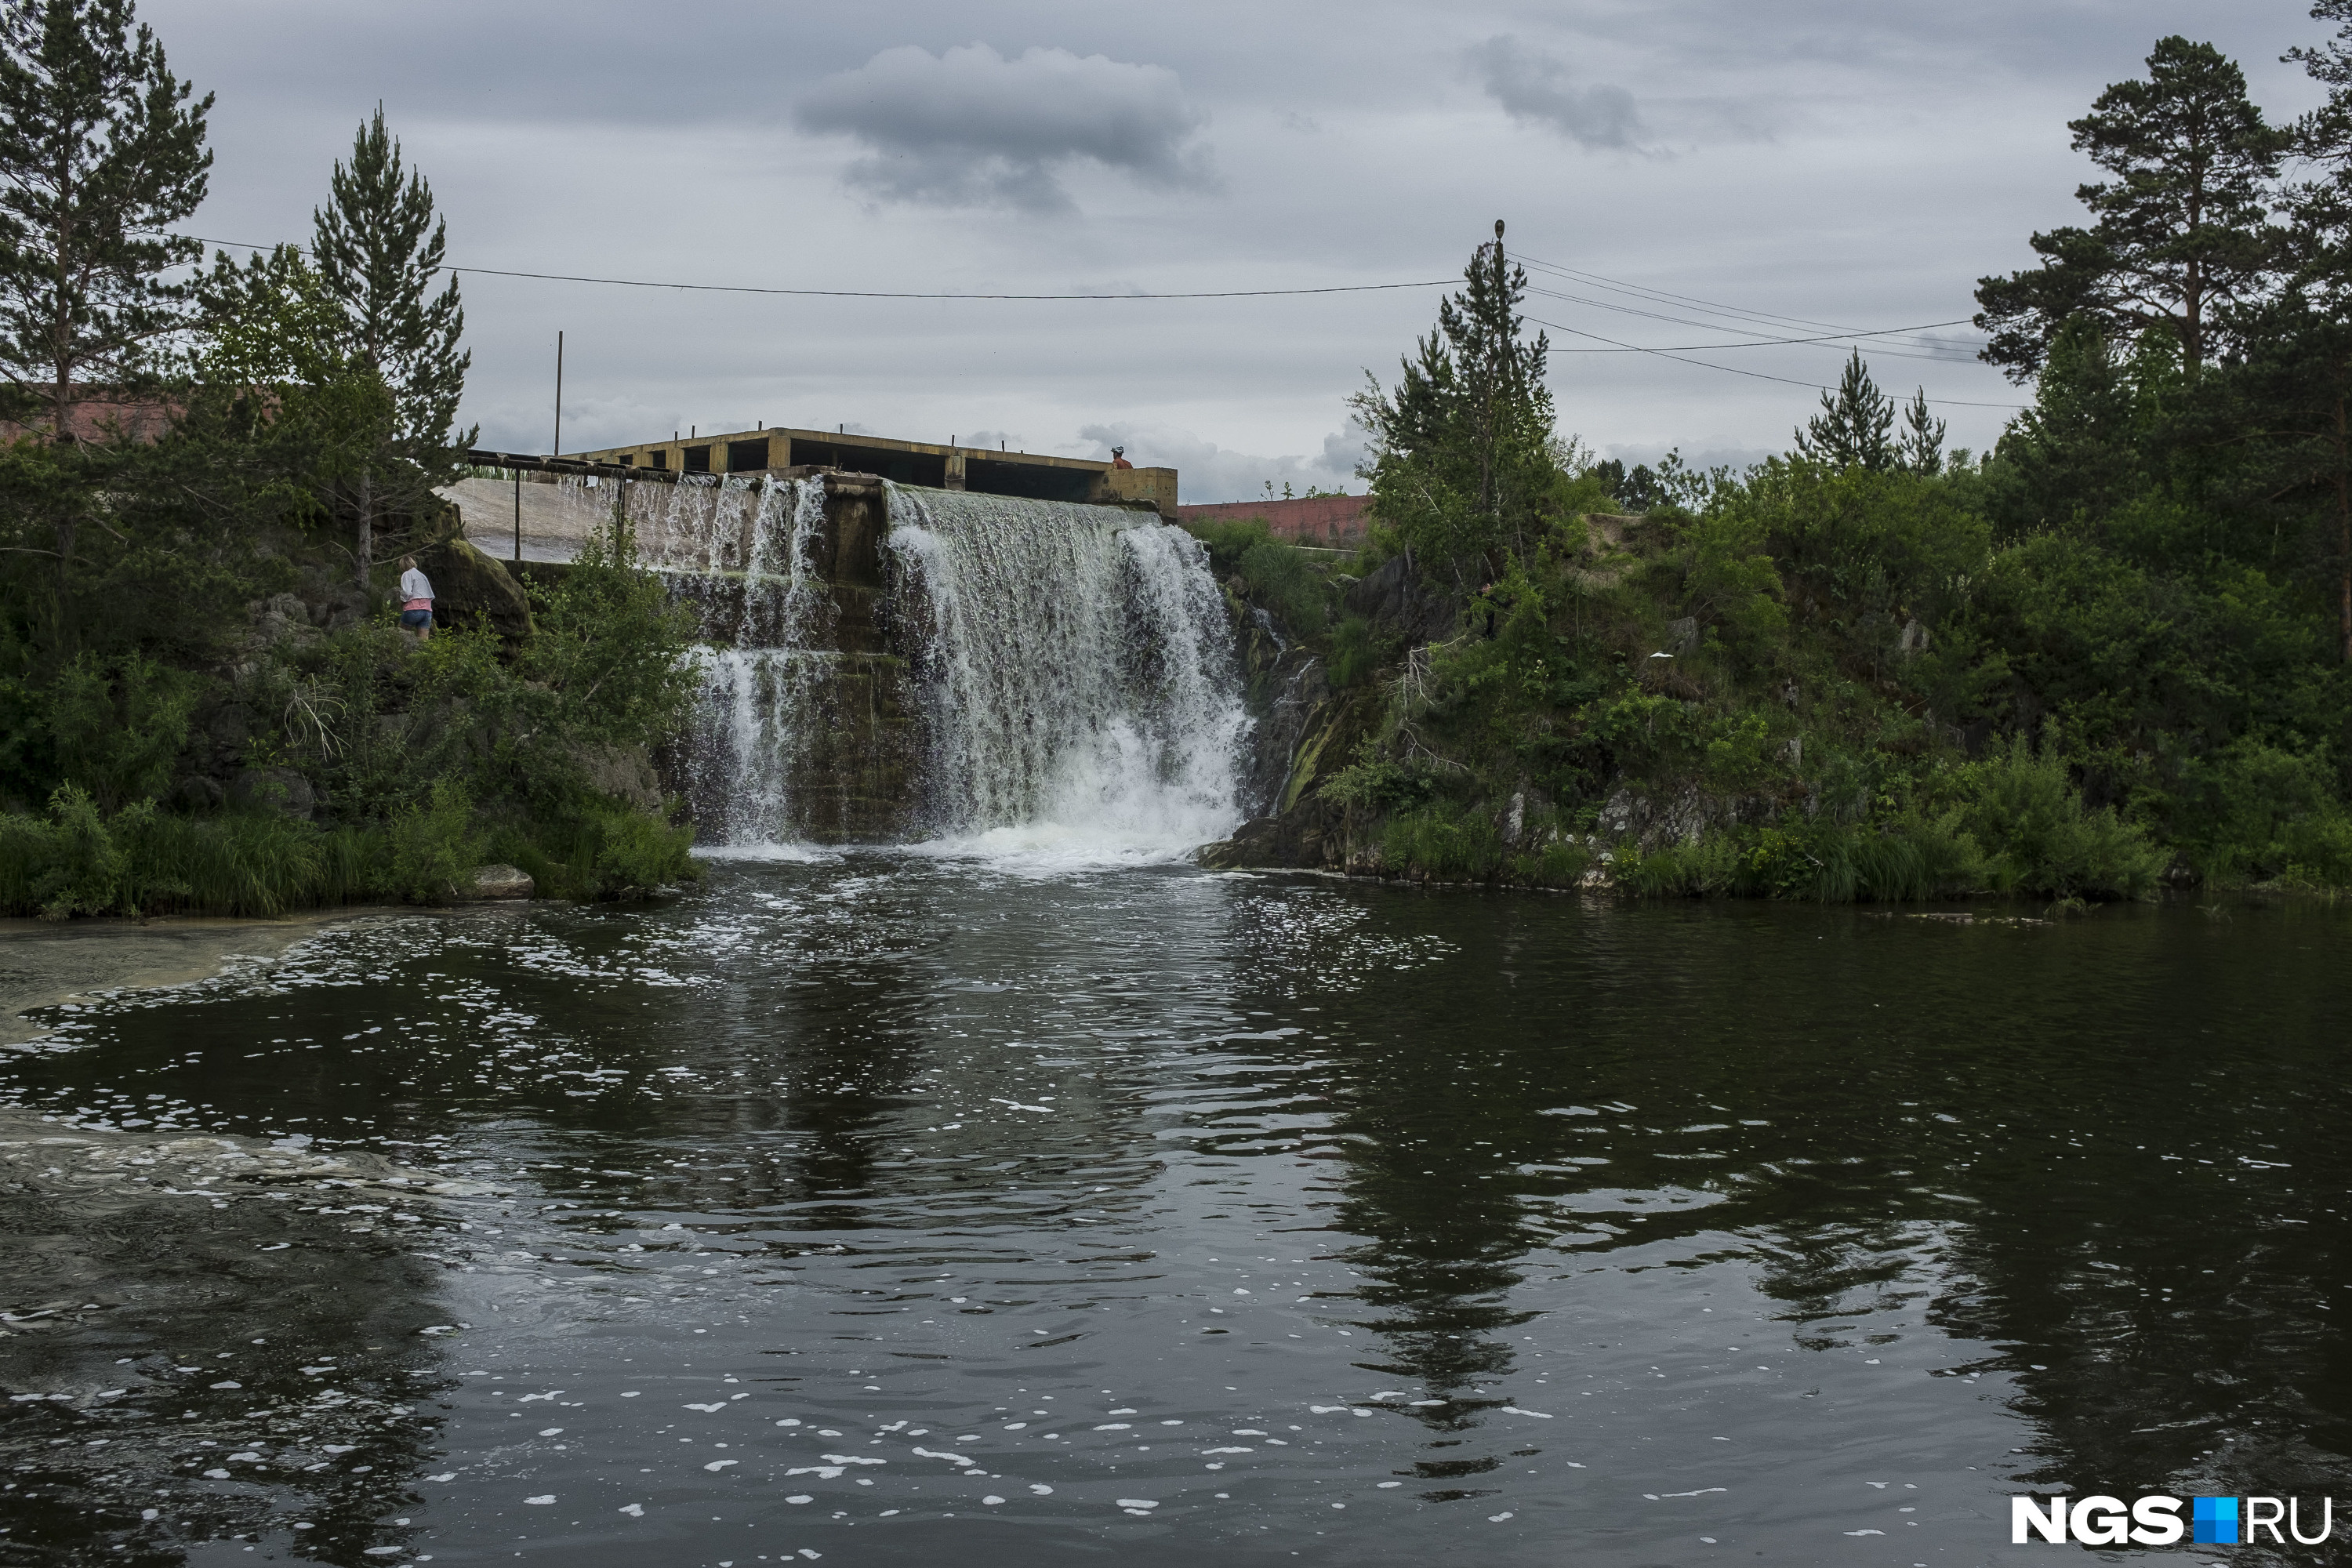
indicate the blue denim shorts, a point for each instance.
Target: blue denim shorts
{"x":415,"y":620}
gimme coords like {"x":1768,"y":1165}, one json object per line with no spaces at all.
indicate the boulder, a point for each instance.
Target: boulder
{"x":285,"y":789}
{"x":1396,"y":595}
{"x":468,"y":584}
{"x":625,"y":772}
{"x":502,"y":881}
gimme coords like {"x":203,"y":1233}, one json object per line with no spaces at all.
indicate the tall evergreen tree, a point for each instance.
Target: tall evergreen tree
{"x":377,"y":246}
{"x":2178,"y":231}
{"x":101,"y":147}
{"x":1462,"y":446}
{"x":1920,"y":447}
{"x":1854,"y":425}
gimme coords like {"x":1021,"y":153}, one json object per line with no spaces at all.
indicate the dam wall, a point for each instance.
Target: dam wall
{"x":885,"y":663}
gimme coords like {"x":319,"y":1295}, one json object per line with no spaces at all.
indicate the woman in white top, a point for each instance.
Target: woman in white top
{"x":415,"y":600}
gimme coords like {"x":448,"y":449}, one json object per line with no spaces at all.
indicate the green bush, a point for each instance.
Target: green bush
{"x":435,"y":847}
{"x":144,"y":861}
{"x":1229,"y":541}
{"x":1910,"y":858}
{"x":1712,"y":865}
{"x":1285,"y":579}
{"x":1375,"y":784}
{"x":1444,"y":841}
{"x":1558,"y":862}
{"x":1358,"y":650}
{"x":2024,"y":813}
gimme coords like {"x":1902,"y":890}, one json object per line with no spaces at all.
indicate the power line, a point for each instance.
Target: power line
{"x":1714,"y":306}
{"x":885,"y":293}
{"x":1944,"y":353}
{"x":1763,"y":340}
{"x":1735,"y":370}
{"x":1764,"y":343}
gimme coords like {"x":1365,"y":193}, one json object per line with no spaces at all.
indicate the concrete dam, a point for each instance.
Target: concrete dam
{"x":886,"y":662}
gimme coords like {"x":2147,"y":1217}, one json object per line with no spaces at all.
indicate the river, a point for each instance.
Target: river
{"x":895,"y":1208}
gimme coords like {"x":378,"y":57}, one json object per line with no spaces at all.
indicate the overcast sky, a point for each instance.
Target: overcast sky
{"x":1854,"y":163}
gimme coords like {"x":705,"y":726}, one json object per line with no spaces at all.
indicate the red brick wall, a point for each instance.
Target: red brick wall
{"x":1331,"y":522}
{"x":98,"y":415}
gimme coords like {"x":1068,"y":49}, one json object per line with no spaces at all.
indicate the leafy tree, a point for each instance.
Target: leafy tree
{"x":1853,"y":427}
{"x":99,"y":149}
{"x":2300,"y":355}
{"x":2179,"y":230}
{"x":2077,"y":455}
{"x":377,"y":247}
{"x":1462,"y":453}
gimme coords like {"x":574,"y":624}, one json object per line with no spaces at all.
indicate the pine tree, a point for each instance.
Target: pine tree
{"x":1462,"y":446}
{"x":377,"y":246}
{"x":2179,"y":231}
{"x":1853,"y":425}
{"x":100,"y":147}
{"x":1920,"y":448}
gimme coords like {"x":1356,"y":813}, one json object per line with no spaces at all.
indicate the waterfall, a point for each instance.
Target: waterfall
{"x":743,"y":555}
{"x":1077,"y":667}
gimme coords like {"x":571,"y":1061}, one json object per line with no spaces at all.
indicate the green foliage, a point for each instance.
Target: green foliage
{"x":1464,"y":459}
{"x":434,"y":845}
{"x":378,"y":247}
{"x":1375,"y":784}
{"x":2038,"y":836}
{"x":1709,"y":865}
{"x":1909,"y":858}
{"x":74,"y":861}
{"x":110,"y":728}
{"x":1358,"y":650}
{"x":2180,"y":227}
{"x":1442,"y":841}
{"x":1228,"y":541}
{"x":101,"y":155}
{"x":1286,"y":580}
{"x":1855,"y":428}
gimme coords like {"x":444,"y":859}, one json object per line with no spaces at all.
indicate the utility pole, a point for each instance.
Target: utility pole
{"x":517,"y":548}
{"x":557,"y":450}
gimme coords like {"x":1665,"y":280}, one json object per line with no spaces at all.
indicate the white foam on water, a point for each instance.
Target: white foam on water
{"x":769,"y":851}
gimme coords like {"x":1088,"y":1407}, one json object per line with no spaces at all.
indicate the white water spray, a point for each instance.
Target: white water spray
{"x":1079,"y":667}
{"x":757,"y":712}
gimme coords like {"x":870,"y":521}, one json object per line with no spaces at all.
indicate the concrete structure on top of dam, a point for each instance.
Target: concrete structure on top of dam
{"x":978,"y":469}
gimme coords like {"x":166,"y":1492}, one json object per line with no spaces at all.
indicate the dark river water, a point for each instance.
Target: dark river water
{"x":887,"y":1210}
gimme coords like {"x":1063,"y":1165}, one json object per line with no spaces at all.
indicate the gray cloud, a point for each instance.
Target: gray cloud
{"x":1533,"y":88}
{"x":1207,"y":472}
{"x":970,"y":128}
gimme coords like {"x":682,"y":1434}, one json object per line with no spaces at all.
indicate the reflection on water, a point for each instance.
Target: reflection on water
{"x":883,"y":1207}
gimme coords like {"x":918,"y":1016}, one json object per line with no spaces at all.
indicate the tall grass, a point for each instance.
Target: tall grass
{"x":140,"y":861}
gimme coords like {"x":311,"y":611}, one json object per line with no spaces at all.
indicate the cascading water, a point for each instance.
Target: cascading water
{"x":744,"y":553}
{"x":1077,"y":669}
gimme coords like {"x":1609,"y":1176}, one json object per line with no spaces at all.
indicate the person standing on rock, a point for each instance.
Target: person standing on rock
{"x":415,"y":600}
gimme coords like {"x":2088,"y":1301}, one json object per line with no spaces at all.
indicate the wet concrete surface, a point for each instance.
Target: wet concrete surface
{"x":43,"y":963}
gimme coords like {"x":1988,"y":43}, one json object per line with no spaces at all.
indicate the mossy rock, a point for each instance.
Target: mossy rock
{"x":468,"y":584}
